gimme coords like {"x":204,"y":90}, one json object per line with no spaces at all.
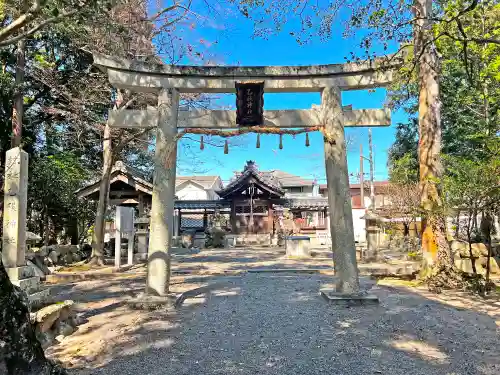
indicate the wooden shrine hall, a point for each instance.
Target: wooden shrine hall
{"x":245,"y":206}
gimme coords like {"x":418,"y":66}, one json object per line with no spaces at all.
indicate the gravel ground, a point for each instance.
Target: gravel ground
{"x":278,"y":324}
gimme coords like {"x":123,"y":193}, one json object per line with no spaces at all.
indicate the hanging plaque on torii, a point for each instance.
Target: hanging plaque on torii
{"x":249,"y":103}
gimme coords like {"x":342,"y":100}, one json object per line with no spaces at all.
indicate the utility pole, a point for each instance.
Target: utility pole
{"x":361,"y":176}
{"x":372,"y":178}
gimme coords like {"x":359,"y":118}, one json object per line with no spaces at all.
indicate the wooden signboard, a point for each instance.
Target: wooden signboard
{"x":250,"y":103}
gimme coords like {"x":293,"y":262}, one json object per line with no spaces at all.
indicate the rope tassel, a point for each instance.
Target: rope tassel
{"x":258,"y":141}
{"x":281,"y":141}
{"x":226,"y":147}
{"x":307,"y":140}
{"x":202,"y":145}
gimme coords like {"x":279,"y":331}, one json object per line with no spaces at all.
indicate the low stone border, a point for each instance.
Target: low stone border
{"x":195,"y":292}
{"x":343,"y":299}
{"x":149,"y":302}
{"x":364,"y":270}
{"x":290,"y":270}
{"x":85,"y":275}
{"x":208,"y":273}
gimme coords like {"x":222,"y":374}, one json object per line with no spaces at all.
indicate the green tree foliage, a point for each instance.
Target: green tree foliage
{"x":23,"y":19}
{"x":65,"y":103}
{"x":471,"y":85}
{"x":403,"y":154}
{"x":404,"y":170}
{"x":53,"y":181}
{"x":470,"y":88}
{"x":472,"y":185}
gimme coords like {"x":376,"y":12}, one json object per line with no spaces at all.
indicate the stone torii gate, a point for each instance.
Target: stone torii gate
{"x":169,"y":81}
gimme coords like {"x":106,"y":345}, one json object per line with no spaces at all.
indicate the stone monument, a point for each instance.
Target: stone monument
{"x":14,"y":226}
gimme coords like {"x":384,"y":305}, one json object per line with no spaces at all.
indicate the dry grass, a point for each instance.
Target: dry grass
{"x":393,"y":281}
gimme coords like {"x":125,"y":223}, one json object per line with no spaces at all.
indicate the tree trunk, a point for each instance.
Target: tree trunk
{"x":457,"y":228}
{"x":487,"y":225}
{"x":98,"y":235}
{"x":20,"y":350}
{"x":72,"y":230}
{"x":18,"y":108}
{"x":46,"y":236}
{"x":435,"y":247}
{"x":474,"y":221}
{"x":469,"y":242}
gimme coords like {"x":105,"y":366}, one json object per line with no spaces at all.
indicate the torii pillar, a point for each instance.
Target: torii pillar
{"x":339,"y":197}
{"x":163,"y":198}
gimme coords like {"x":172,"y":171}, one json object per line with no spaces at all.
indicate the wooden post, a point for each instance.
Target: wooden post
{"x":18,"y":108}
{"x":339,"y":199}
{"x":233,"y":217}
{"x":270,"y":222}
{"x":205,"y":219}
{"x":163,"y":198}
{"x":372,"y":173}
{"x":179,"y":222}
{"x":361,"y":176}
{"x":141,"y":204}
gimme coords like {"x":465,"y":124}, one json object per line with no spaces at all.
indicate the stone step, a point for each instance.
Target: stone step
{"x":290,"y":270}
{"x":29,"y":284}
{"x":39,"y":298}
{"x":18,"y":273}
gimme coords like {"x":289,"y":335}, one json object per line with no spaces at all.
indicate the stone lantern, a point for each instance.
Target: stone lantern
{"x":372,"y":227}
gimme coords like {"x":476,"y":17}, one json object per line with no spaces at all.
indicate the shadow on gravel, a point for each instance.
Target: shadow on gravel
{"x":278,"y":324}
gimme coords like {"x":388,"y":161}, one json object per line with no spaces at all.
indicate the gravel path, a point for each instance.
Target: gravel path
{"x":278,"y":324}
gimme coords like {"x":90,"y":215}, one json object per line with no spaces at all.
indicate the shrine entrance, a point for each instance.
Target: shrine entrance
{"x":249,"y":83}
{"x":252,"y":195}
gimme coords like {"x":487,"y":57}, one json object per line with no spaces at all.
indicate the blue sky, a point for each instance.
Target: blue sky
{"x":232,"y":43}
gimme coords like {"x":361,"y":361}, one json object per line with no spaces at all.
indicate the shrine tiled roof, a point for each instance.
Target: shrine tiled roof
{"x":123,"y":173}
{"x":251,"y":171}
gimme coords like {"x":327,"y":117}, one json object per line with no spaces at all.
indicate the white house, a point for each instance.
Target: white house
{"x":197,"y":187}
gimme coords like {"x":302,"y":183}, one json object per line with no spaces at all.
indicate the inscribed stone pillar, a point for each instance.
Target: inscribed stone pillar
{"x":339,"y":197}
{"x":162,"y":205}
{"x":15,"y":205}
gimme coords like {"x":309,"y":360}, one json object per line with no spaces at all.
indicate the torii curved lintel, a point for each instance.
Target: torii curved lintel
{"x":146,"y":76}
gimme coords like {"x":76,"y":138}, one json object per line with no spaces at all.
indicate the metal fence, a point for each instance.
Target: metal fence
{"x":192,"y":220}
{"x":196,"y":220}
